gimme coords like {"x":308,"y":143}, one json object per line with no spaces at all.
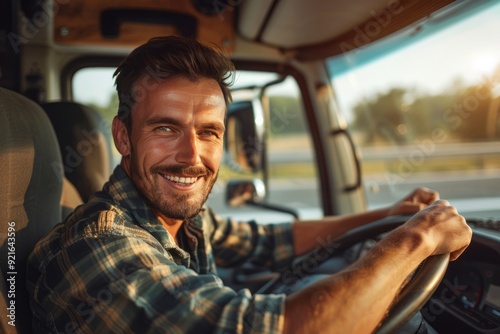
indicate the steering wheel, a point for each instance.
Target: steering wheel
{"x":412,"y":297}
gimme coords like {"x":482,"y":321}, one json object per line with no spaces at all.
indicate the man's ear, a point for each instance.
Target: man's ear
{"x":121,"y":137}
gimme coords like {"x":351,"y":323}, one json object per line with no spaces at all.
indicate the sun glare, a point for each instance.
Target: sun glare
{"x":485,"y":63}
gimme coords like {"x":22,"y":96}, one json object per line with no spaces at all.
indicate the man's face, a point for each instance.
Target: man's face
{"x":176,"y":145}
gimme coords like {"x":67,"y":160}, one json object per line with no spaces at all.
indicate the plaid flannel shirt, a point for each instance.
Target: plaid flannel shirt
{"x":112,"y":267}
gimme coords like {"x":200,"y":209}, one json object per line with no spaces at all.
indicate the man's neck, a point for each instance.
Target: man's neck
{"x":171,"y":225}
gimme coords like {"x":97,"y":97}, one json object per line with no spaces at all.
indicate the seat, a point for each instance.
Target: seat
{"x":30,"y":192}
{"x":82,"y":134}
{"x":70,"y":198}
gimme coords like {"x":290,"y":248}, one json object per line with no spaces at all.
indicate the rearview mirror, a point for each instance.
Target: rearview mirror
{"x":244,"y":141}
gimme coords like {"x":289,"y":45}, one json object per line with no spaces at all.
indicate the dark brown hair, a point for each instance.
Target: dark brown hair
{"x":163,"y":57}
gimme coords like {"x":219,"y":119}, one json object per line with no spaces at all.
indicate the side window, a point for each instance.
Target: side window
{"x":290,"y":173}
{"x":427,"y":113}
{"x":94,"y":87}
{"x":293,"y":177}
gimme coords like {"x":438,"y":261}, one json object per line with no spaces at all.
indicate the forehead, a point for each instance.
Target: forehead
{"x":206,"y":97}
{"x":181,"y":94}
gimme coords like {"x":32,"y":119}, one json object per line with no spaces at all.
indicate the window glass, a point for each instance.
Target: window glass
{"x":292,"y":169}
{"x":424,"y":110}
{"x":94,"y":87}
{"x":292,"y":181}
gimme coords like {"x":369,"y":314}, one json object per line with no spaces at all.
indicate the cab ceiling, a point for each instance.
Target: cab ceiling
{"x":304,"y":29}
{"x":319,"y":28}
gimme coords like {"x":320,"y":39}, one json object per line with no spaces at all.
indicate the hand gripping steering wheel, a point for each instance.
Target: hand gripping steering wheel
{"x":416,"y":292}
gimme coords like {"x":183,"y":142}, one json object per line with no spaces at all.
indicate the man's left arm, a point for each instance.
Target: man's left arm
{"x":307,"y":233}
{"x":234,"y":242}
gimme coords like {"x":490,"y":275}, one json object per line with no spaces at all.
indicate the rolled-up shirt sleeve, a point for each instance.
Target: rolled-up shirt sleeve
{"x":125,"y":285}
{"x":235,"y":242}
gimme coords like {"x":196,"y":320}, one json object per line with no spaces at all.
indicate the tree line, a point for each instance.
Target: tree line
{"x":400,"y":115}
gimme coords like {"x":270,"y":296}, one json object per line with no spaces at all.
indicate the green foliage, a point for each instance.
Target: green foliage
{"x":286,"y":115}
{"x":110,"y":110}
{"x":463,"y":113}
{"x":381,"y":116}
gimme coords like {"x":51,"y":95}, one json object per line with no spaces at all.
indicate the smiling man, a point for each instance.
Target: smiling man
{"x":141,"y":255}
{"x":175,"y":146}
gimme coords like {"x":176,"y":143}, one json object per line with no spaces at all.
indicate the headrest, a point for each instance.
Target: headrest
{"x":83,"y":140}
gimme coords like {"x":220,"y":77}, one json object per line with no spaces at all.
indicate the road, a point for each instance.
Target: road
{"x":477,"y":195}
{"x":473,"y":192}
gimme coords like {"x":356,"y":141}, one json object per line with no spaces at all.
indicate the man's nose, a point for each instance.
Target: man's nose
{"x":187,"y":150}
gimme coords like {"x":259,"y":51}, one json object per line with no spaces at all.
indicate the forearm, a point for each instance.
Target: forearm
{"x":356,"y":299}
{"x":307,"y":233}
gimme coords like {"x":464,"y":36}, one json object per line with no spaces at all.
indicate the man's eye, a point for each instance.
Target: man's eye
{"x":164,"y":129}
{"x":209,"y":133}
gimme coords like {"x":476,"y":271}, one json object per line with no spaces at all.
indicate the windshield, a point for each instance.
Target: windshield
{"x":423,"y":107}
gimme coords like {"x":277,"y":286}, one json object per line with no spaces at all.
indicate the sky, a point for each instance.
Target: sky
{"x":469,"y":50}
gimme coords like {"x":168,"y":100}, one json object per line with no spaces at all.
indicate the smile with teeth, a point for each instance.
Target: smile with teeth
{"x":181,"y":179}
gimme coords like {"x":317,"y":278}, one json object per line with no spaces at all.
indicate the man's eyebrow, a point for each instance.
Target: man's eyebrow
{"x":162,"y":120}
{"x":214,"y":126}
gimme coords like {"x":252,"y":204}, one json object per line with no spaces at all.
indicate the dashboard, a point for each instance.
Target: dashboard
{"x":468,"y":298}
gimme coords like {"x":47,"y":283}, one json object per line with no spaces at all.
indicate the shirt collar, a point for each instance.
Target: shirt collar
{"x":123,"y":191}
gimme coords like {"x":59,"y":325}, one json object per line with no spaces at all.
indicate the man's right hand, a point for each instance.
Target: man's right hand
{"x":442,"y":228}
{"x":357,"y":298}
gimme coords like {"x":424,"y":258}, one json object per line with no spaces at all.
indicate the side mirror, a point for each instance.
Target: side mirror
{"x":245,"y":151}
{"x":252,"y":192}
{"x":244,"y":140}
{"x":241,"y":192}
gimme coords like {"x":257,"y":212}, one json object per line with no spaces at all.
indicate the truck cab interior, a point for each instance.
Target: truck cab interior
{"x":338,"y":107}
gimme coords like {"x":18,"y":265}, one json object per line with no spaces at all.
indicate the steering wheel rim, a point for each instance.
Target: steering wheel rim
{"x":416,"y":293}
{"x":413,"y":296}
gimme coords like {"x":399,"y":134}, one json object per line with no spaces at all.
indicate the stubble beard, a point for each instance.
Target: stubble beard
{"x":176,"y":205}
